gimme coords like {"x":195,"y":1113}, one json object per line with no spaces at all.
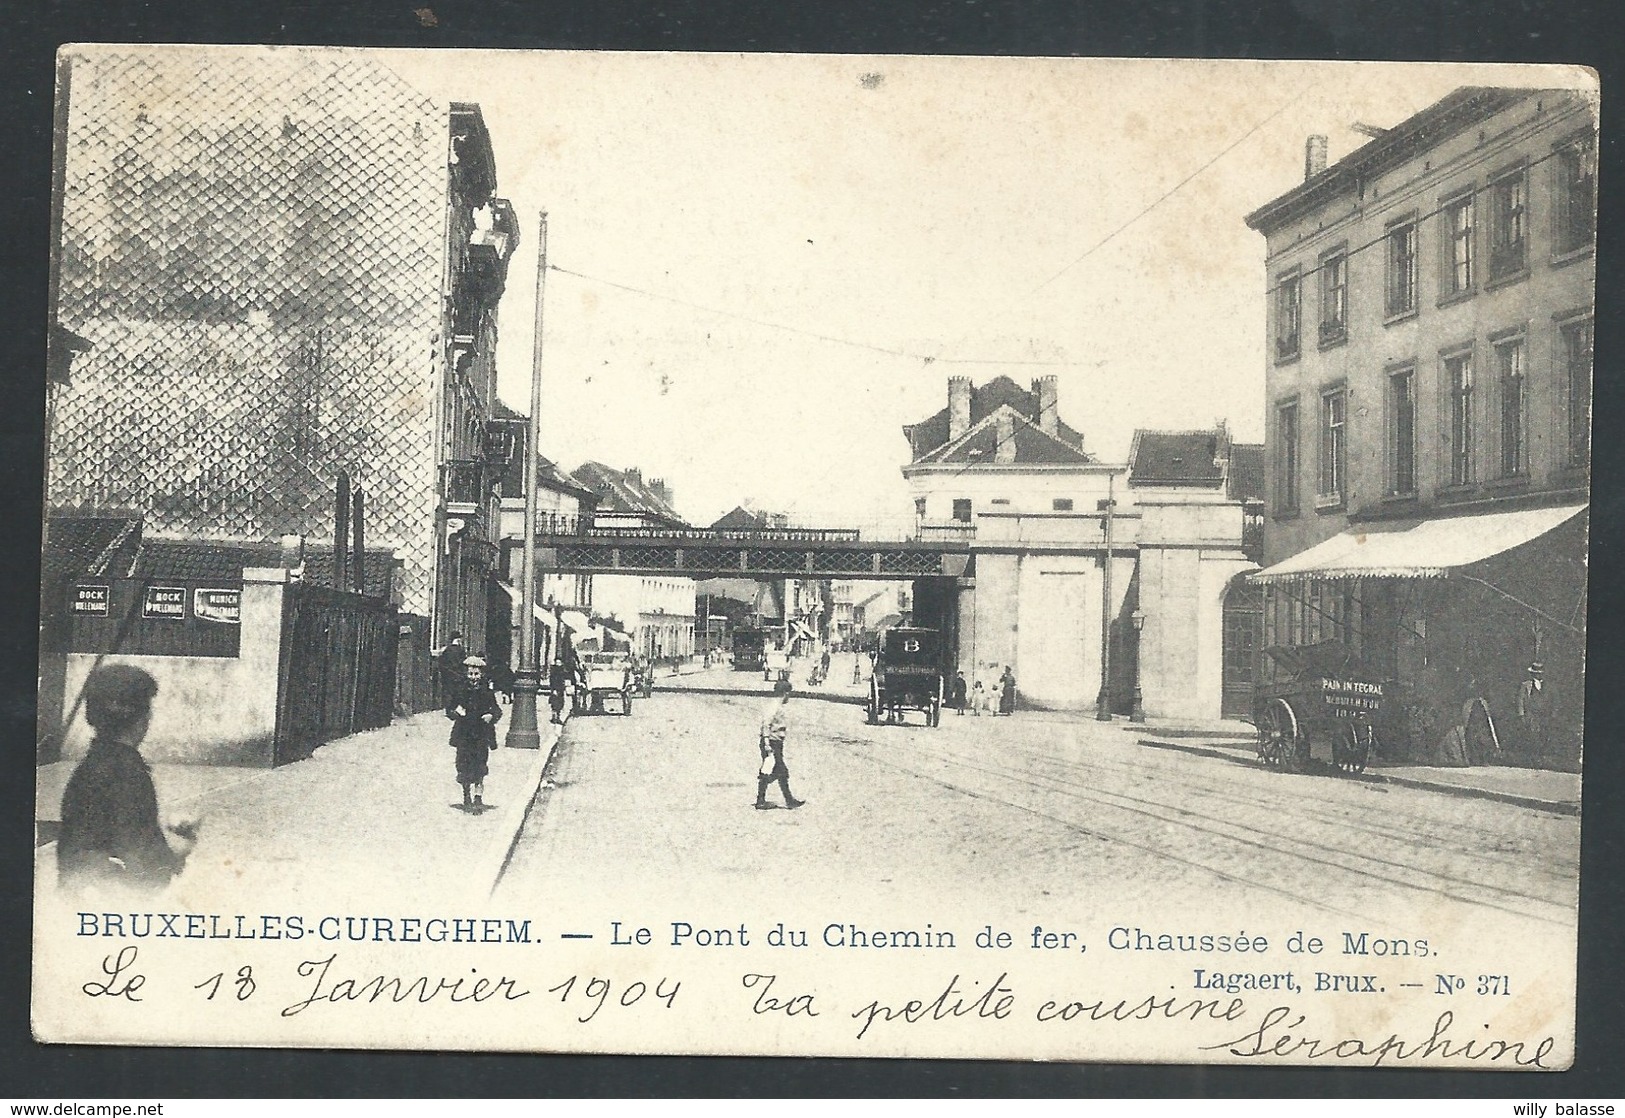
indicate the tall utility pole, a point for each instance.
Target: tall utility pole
{"x":1103,"y":704}
{"x":341,"y":532}
{"x":522,"y":732}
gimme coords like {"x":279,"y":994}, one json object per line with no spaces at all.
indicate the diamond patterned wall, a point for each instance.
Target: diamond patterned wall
{"x":253,"y":242}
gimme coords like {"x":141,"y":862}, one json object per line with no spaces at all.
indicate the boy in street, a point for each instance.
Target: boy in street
{"x":474,"y":713}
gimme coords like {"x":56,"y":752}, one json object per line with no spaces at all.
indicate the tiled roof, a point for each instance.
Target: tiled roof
{"x":1176,"y":458}
{"x":380,"y":570}
{"x":548,"y":474}
{"x":502,"y":411}
{"x":1001,"y":391}
{"x":742,"y":519}
{"x":1029,"y":446}
{"x":739,"y":519}
{"x":1245,"y":481}
{"x":201,"y":560}
{"x":223,"y":561}
{"x":253,"y":241}
{"x":624,"y":491}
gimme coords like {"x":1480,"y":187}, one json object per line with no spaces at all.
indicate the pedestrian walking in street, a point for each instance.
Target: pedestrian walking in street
{"x":1007,"y":691}
{"x":451,"y":667}
{"x":111,"y":840}
{"x":502,"y":680}
{"x":770,"y":741}
{"x":857,"y":668}
{"x":474,"y":715}
{"x":978,"y":698}
{"x":957,"y":694}
{"x":558,"y":682}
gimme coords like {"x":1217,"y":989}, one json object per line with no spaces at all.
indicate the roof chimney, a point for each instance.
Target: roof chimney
{"x":1314,"y":157}
{"x":1048,"y":419}
{"x":1005,"y":449}
{"x":657,"y":486}
{"x":634,"y":474}
{"x":958,"y":407}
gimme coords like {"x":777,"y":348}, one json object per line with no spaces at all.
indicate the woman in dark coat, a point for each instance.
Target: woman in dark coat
{"x":111,"y":837}
{"x":474,"y":715}
{"x":1007,"y":691}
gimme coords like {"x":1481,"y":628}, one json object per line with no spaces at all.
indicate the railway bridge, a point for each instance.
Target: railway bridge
{"x":772,"y":553}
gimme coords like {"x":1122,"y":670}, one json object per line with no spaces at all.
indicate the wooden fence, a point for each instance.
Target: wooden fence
{"x":338,"y":668}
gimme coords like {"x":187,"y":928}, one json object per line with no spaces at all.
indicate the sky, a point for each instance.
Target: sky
{"x":762,"y":266}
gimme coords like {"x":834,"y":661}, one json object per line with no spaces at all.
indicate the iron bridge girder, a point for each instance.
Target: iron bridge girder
{"x":702,"y":555}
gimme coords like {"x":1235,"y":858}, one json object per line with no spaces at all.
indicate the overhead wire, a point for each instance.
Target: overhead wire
{"x":940,"y":357}
{"x":1450,"y":202}
{"x":924,"y":358}
{"x":1144,"y":211}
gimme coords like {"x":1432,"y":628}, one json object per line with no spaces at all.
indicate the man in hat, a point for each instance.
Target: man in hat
{"x":474,"y":715}
{"x":770,"y":741}
{"x":1535,"y":707}
{"x":111,"y":837}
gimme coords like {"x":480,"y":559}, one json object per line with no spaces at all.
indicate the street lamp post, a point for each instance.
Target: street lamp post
{"x":1103,"y":704}
{"x":1137,"y":712}
{"x":522,"y":729}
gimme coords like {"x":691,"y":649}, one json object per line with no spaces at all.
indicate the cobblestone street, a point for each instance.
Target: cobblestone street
{"x":1037,"y":817}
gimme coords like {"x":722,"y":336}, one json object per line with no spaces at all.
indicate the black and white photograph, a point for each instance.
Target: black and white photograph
{"x":816,"y":555}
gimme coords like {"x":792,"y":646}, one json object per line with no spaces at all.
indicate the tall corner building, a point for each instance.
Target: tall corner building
{"x":1428,"y":368}
{"x":283,"y":263}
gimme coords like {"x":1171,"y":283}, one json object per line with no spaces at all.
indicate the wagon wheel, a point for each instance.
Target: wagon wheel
{"x":873,"y":711}
{"x":1352,"y":749}
{"x":1277,"y":735}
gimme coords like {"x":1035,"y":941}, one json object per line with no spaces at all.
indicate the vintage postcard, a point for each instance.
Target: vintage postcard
{"x":1060,"y":559}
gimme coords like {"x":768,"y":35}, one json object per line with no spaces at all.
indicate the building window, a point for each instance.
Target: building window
{"x":1514,"y":408}
{"x":1288,"y":316}
{"x":1334,"y":297}
{"x":1286,"y":458}
{"x":1402,"y":433}
{"x":962,"y":509}
{"x":1577,"y":195}
{"x":1509,"y":226}
{"x":1577,"y":362}
{"x":1401,"y":269}
{"x":1333,"y":447}
{"x":1458,"y":375}
{"x":1063,"y":504}
{"x":1458,"y":250}
{"x":919,"y":508}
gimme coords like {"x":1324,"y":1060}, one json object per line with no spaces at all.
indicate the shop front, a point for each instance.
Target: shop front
{"x":1477,"y":621}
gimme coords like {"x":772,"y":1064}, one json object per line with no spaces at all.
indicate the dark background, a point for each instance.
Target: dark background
{"x":1586,"y":32}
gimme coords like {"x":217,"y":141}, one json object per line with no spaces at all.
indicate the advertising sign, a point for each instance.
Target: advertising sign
{"x":91,"y":599}
{"x":164,"y":602}
{"x":217,"y":605}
